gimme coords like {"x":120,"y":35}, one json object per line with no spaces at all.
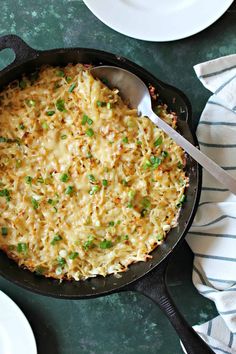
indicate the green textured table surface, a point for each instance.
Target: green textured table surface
{"x":121,"y":323}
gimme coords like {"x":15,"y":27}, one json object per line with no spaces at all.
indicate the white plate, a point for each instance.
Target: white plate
{"x":16,"y":335}
{"x":158,"y":20}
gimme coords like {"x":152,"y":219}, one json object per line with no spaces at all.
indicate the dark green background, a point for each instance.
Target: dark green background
{"x":121,"y":323}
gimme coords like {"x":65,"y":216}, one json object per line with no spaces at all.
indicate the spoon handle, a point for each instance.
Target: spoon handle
{"x":215,"y":170}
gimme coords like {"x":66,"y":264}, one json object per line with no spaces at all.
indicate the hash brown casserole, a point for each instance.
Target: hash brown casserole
{"x":87,"y":186}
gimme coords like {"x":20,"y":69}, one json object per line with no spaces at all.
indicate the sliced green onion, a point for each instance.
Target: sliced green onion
{"x":4,"y":231}
{"x":158,"y":141}
{"x":72,"y":87}
{"x":60,"y":104}
{"x":181,"y":201}
{"x":109,"y":105}
{"x":111,"y":223}
{"x":105,"y":182}
{"x":130,"y":205}
{"x":69,"y":190}
{"x":84,"y":119}
{"x":50,"y":201}
{"x":40,"y":180}
{"x":165,"y":154}
{"x":139,"y":142}
{"x":89,"y":121}
{"x":2,"y":139}
{"x":89,"y":243}
{"x":63,"y":137}
{"x":131,"y":194}
{"x":125,"y":139}
{"x":124,"y":182}
{"x":160,"y":237}
{"x":34,"y":203}
{"x":5,"y":193}
{"x":101,"y":104}
{"x":58,"y":270}
{"x":180,"y":165}
{"x":55,"y":239}
{"x":89,"y":155}
{"x":105,"y":244}
{"x":28,"y":179}
{"x":21,"y":126}
{"x":147,"y":164}
{"x":60,"y":73}
{"x":30,"y":103}
{"x":91,"y":178}
{"x":22,"y":247}
{"x":90,"y":132}
{"x":73,"y":255}
{"x":68,"y":79}
{"x":94,"y":190}
{"x":50,"y":113}
{"x":64,"y":177}
{"x":61,"y":261}
{"x":124,"y":237}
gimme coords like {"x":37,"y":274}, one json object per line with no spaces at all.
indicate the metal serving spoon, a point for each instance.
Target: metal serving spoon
{"x":133,"y":90}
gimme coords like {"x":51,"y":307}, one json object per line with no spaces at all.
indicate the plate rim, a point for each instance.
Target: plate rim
{"x":23,"y":318}
{"x":190,"y":33}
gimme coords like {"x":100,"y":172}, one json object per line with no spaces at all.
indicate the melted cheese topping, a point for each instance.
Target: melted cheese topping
{"x":86,"y":185}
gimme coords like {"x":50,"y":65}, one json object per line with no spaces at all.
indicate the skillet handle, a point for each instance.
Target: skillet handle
{"x":21,"y":49}
{"x":153,"y":285}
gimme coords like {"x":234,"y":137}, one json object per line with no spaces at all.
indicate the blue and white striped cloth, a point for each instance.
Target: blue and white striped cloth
{"x":212,"y":236}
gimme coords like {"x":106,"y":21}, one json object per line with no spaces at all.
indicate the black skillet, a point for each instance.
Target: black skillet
{"x":145,"y":277}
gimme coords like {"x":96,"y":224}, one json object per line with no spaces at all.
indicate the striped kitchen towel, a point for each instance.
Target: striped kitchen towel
{"x":212,"y":236}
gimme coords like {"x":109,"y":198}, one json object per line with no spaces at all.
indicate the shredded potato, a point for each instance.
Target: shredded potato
{"x":87,"y":187}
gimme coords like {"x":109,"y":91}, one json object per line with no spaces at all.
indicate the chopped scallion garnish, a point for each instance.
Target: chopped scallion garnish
{"x":60,"y":104}
{"x":73,"y":255}
{"x":105,"y":182}
{"x":64,"y":177}
{"x":105,"y":244}
{"x":60,"y":73}
{"x":55,"y":239}
{"x":72,"y":87}
{"x":90,"y":132}
{"x":34,"y":203}
{"x":50,"y":113}
{"x":158,"y":141}
{"x":69,"y":190}
{"x":28,"y":179}
{"x":91,"y":178}
{"x":94,"y":190}
{"x":89,"y":243}
{"x":22,"y":247}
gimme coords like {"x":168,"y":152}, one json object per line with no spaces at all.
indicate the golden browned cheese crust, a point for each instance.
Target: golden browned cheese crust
{"x":87,"y":187}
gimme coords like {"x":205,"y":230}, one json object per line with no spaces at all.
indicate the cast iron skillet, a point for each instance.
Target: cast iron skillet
{"x":145,"y":277}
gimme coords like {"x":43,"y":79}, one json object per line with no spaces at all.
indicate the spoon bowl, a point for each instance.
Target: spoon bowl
{"x":133,"y":90}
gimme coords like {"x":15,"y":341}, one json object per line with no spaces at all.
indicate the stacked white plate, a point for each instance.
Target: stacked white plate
{"x":16,"y":335}
{"x":158,"y":20}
